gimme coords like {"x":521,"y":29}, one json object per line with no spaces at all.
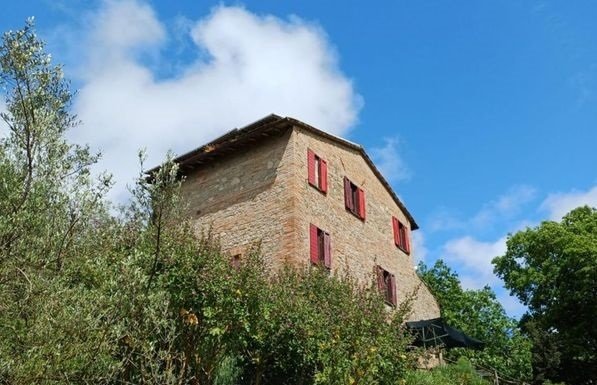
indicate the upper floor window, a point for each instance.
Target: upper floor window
{"x":320,"y":247}
{"x":386,"y":283}
{"x":401,"y":235}
{"x":354,"y":198}
{"x":317,"y":171}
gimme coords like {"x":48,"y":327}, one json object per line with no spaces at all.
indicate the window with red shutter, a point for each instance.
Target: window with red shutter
{"x":320,"y":252}
{"x":396,"y":230}
{"x":323,"y":179}
{"x":361,"y":195}
{"x":311,"y":167}
{"x":386,"y":283}
{"x":401,"y":235}
{"x":327,"y":251}
{"x":392,"y":290}
{"x":348,"y":202}
{"x":313,"y":244}
{"x":354,"y":198}
{"x":317,"y":171}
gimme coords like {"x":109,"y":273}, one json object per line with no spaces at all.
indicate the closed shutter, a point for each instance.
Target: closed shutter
{"x":361,"y":195}
{"x":392,"y":288}
{"x":348,"y":195}
{"x":311,"y":167}
{"x":380,"y":283}
{"x":314,"y":250}
{"x":323,"y":174}
{"x":396,"y":231}
{"x":327,"y":251}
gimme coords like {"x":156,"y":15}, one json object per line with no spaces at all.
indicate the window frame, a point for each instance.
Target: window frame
{"x":386,"y":284}
{"x":401,"y":235}
{"x":320,"y":249}
{"x":317,"y":171}
{"x":354,"y":199}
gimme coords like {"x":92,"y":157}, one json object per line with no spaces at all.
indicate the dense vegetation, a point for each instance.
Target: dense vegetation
{"x":552,"y":269}
{"x":479,"y":314}
{"x":90,"y":293}
{"x":93,"y":293}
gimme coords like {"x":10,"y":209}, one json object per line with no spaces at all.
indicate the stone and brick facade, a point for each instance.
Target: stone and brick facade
{"x":251,"y":186}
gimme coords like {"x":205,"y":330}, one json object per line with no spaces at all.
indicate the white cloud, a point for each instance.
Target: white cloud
{"x":443,"y":220}
{"x":419,"y":249}
{"x":504,"y":206}
{"x":560,"y":204}
{"x":473,"y":258}
{"x":250,"y":66}
{"x":511,"y":305}
{"x":389,"y":161}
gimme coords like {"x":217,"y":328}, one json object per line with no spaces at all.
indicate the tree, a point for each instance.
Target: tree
{"x":47,"y":201}
{"x":479,"y":314}
{"x":552,"y":269}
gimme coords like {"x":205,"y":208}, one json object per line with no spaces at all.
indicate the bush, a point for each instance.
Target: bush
{"x":460,"y":373}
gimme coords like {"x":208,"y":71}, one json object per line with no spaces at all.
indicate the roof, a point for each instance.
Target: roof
{"x":436,"y":331}
{"x":268,"y":126}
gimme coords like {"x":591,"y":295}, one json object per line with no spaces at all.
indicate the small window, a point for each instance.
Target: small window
{"x":317,"y":170}
{"x":386,"y":283}
{"x":235,"y":261}
{"x":401,"y":235}
{"x":354,"y":198}
{"x":320,"y":247}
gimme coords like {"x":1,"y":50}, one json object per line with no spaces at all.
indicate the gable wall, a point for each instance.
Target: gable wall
{"x":245,"y":199}
{"x":357,"y":245}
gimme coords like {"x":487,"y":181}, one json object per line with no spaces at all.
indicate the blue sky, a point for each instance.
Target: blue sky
{"x":483,"y":115}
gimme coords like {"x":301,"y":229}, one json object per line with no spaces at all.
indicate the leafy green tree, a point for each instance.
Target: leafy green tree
{"x":552,"y":269}
{"x":479,"y":314}
{"x":47,"y":200}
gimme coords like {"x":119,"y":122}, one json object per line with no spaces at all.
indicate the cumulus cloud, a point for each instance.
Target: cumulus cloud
{"x":504,"y":206}
{"x":559,"y":204}
{"x":247,"y":66}
{"x":474,"y":259}
{"x":513,"y":307}
{"x":419,"y":249}
{"x":390,"y":163}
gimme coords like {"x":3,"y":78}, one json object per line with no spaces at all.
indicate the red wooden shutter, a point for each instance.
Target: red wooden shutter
{"x":392,"y":289}
{"x":323,"y":175}
{"x":380,"y":282}
{"x":406,"y":240}
{"x":327,"y":251}
{"x":313,"y":249}
{"x":311,"y":167}
{"x":396,"y":231}
{"x":361,"y":195}
{"x":348,"y":194}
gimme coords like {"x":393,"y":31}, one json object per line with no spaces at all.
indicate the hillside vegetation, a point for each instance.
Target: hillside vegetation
{"x":94,"y":293}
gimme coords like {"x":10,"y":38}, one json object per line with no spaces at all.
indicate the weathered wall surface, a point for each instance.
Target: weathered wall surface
{"x":244,"y":199}
{"x":262,"y":195}
{"x":357,"y":245}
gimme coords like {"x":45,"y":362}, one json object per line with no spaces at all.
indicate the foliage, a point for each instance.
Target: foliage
{"x":552,"y":269}
{"x":460,"y":373}
{"x":90,"y":293}
{"x":479,"y":314}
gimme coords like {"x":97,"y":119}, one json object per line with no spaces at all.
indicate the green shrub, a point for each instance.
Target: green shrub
{"x":460,"y":373}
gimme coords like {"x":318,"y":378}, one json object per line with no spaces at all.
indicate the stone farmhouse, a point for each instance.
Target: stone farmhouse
{"x":307,"y":197}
